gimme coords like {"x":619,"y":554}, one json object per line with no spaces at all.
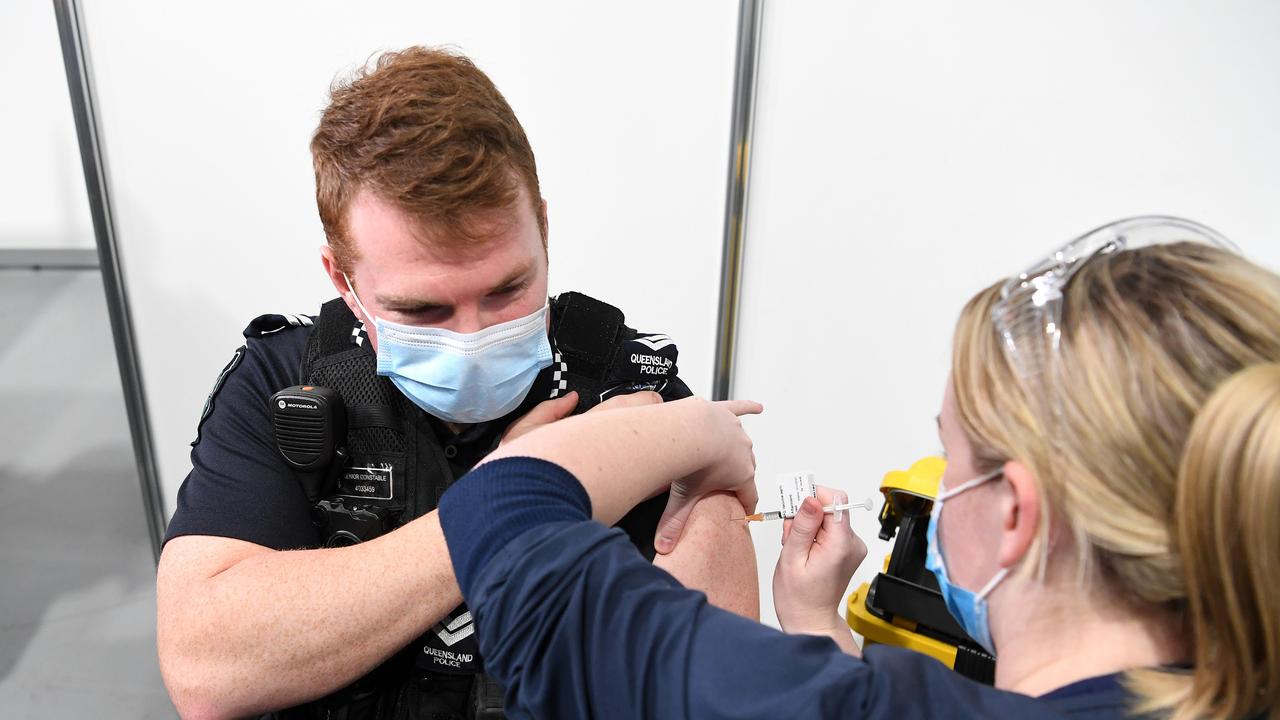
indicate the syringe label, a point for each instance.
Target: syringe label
{"x":793,"y":488}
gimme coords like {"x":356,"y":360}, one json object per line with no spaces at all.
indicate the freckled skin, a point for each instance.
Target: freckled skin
{"x":716,"y":556}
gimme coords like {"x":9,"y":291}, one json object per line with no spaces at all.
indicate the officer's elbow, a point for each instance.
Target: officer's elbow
{"x":189,"y":675}
{"x":192,"y":700}
{"x":192,"y":692}
{"x":715,"y":555}
{"x":197,"y":709}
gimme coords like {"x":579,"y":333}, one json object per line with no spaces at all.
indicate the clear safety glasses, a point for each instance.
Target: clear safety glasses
{"x":1028,"y":316}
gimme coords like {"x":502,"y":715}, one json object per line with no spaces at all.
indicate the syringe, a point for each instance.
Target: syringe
{"x":828,"y":509}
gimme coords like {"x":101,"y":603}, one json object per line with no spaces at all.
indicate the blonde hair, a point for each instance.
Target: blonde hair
{"x":1228,"y":536}
{"x":1147,"y":335}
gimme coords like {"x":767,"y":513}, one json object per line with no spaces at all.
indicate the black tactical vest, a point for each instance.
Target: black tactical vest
{"x":396,"y":470}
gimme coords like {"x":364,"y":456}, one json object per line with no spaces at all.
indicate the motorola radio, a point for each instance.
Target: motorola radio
{"x":310,"y":426}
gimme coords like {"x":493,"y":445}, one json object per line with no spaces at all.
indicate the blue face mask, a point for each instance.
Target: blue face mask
{"x":463,"y":377}
{"x":969,"y":609}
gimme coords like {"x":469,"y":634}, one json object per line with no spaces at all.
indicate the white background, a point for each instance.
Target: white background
{"x":77,"y":599}
{"x":43,"y":204}
{"x":208,"y":109}
{"x":908,"y":154}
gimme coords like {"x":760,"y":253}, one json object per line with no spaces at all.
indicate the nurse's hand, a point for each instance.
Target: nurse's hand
{"x":729,"y":463}
{"x":544,"y":413}
{"x":819,"y":555}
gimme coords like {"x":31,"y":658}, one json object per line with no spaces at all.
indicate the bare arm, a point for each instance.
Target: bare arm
{"x":624,"y":456}
{"x":243,"y":629}
{"x":716,"y":556}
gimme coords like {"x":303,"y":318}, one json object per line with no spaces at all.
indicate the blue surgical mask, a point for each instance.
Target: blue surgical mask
{"x":969,"y":609}
{"x":463,"y":377}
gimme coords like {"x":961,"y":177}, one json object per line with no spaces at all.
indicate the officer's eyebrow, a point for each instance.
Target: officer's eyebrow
{"x":514,"y":278}
{"x":404,"y":304}
{"x":400,"y":303}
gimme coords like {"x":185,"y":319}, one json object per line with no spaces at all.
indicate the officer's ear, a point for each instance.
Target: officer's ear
{"x":337,"y":278}
{"x":542,"y":224}
{"x":1021,"y":510}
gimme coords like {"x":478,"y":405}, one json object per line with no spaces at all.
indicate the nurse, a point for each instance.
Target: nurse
{"x":1106,"y":525}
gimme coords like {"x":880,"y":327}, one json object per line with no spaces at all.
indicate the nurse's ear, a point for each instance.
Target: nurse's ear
{"x":1020,"y":514}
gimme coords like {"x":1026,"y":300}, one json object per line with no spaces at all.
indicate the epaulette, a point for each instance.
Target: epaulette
{"x":273,"y":323}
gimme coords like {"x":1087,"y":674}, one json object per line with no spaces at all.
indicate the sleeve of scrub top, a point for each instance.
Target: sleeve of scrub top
{"x":574,"y":623}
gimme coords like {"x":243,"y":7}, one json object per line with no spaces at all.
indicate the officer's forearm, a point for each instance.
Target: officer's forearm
{"x":243,"y":629}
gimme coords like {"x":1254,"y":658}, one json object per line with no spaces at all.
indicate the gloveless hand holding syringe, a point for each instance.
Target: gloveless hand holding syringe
{"x":792,"y":490}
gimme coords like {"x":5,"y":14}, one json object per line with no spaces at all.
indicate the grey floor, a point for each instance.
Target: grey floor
{"x":77,"y":582}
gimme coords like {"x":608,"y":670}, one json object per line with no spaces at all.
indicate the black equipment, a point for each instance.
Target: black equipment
{"x":310,"y":426}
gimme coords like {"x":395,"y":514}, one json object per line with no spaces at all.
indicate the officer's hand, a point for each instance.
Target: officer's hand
{"x":731,"y":465}
{"x":819,"y":555}
{"x":544,"y":413}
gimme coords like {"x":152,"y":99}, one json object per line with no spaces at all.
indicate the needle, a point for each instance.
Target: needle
{"x":828,"y":509}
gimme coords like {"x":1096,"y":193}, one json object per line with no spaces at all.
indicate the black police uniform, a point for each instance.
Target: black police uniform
{"x":400,"y":460}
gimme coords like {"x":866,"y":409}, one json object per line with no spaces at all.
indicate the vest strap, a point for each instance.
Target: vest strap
{"x":586,"y":333}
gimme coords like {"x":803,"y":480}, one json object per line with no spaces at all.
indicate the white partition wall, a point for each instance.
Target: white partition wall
{"x":42,"y":199}
{"x":908,"y":154}
{"x":207,"y":110}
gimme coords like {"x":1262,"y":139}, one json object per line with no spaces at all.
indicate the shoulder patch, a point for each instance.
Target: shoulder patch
{"x":647,"y":358}
{"x":217,"y":386}
{"x":272,"y":323}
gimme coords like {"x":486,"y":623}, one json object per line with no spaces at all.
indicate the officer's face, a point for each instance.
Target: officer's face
{"x":407,"y":275}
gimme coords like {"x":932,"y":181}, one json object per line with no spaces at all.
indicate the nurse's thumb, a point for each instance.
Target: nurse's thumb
{"x":674,"y":518}
{"x":804,"y":529}
{"x":544,"y":413}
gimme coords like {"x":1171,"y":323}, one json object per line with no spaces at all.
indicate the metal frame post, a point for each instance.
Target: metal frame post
{"x":735,"y":206}
{"x":75,"y":56}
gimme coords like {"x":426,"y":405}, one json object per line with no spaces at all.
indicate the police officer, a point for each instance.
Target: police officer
{"x":328,"y":592}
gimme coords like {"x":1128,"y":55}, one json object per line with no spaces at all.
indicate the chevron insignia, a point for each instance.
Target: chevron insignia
{"x":457,"y":629}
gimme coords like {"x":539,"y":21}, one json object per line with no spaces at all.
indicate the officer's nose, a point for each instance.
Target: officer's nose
{"x":467,"y":319}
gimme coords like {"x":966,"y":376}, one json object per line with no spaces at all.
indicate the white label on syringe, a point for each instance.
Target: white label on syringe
{"x":793,"y":489}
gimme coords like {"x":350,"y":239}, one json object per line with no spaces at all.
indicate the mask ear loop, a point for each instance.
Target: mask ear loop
{"x":1002,"y":572}
{"x":968,"y":484}
{"x":942,"y":497}
{"x":368,"y":318}
{"x":992,"y":583}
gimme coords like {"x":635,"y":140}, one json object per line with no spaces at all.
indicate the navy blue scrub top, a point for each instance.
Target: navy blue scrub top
{"x":575,"y":624}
